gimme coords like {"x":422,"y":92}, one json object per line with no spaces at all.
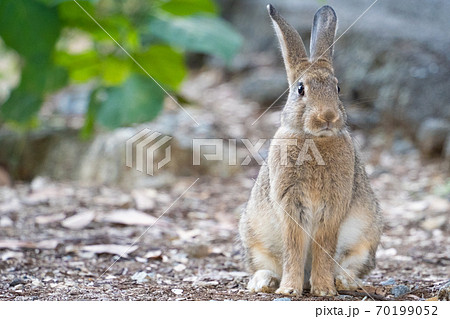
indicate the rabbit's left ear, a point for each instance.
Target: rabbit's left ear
{"x":322,"y":34}
{"x":291,"y":44}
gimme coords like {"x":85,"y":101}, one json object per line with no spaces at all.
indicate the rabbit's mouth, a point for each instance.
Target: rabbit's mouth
{"x":327,"y":131}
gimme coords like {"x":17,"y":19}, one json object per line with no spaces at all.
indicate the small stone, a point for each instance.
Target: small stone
{"x":400,"y":290}
{"x":389,"y":282}
{"x":141,"y":259}
{"x":16,"y":281}
{"x":177,"y":291}
{"x":198,"y":251}
{"x":141,"y":277}
{"x":179,"y":267}
{"x":431,"y":136}
{"x":5,"y":221}
{"x":282,"y":299}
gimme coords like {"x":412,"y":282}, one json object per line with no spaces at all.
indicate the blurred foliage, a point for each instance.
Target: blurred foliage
{"x":59,"y":44}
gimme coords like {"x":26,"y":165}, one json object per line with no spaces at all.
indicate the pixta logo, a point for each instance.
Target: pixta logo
{"x":142,"y":147}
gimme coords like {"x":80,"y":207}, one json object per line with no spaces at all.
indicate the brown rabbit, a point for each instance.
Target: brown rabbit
{"x":310,"y":217}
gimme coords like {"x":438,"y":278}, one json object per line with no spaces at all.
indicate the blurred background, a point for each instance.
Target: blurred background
{"x":80,"y":78}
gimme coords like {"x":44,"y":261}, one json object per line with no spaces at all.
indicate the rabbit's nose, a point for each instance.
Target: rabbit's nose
{"x":328,"y":116}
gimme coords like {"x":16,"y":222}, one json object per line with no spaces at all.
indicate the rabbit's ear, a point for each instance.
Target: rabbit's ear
{"x":322,"y":33}
{"x":291,"y":43}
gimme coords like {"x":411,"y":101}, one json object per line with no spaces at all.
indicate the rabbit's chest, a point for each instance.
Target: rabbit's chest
{"x":326,"y":175}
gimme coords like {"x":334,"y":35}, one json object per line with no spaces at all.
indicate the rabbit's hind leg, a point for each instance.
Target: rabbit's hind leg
{"x":267,"y":275}
{"x":353,"y":265}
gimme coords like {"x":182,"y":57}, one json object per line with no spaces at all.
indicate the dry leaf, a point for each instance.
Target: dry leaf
{"x":154,"y":254}
{"x":128,"y":217}
{"x":16,"y":244}
{"x":47,"y":219}
{"x":79,"y":220}
{"x":11,"y":254}
{"x":121,"y":250}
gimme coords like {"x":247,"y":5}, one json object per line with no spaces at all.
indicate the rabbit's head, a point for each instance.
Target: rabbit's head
{"x":313,"y":106}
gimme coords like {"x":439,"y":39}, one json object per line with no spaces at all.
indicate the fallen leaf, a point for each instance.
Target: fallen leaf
{"x":16,"y":244}
{"x":79,"y":220}
{"x":128,"y":217}
{"x":153,"y":254}
{"x":11,"y":254}
{"x":48,"y":219}
{"x":121,"y":250}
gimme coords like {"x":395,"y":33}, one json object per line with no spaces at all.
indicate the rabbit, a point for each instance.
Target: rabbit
{"x":309,"y":224}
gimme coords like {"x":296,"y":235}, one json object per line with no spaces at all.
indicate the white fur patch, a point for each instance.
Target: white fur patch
{"x":350,"y":233}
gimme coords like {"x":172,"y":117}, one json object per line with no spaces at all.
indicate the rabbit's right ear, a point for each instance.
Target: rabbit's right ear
{"x":291,"y":43}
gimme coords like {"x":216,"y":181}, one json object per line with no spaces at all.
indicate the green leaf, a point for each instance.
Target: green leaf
{"x":29,"y":27}
{"x":36,"y":80}
{"x":115,"y":71}
{"x":164,"y":64}
{"x":56,"y":2}
{"x":21,"y":106}
{"x":204,"y":34}
{"x":118,"y":26}
{"x":138,"y":100}
{"x":187,"y":7}
{"x":82,"y":67}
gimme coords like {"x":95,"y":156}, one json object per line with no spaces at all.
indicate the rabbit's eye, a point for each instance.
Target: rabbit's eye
{"x":301,"y":89}
{"x":339,"y":89}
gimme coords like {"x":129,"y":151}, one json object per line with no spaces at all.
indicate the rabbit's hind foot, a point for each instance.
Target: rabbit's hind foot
{"x":347,"y":282}
{"x":264,"y":281}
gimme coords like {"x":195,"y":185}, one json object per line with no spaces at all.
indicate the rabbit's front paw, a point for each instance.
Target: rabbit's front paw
{"x":263,"y":281}
{"x":323,"y":291}
{"x":288,"y":291}
{"x":344,"y":282}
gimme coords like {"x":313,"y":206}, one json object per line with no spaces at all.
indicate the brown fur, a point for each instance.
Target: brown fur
{"x":333,"y":203}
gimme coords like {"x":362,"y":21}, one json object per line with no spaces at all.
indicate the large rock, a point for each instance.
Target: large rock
{"x":432,"y":136}
{"x":393,"y":63}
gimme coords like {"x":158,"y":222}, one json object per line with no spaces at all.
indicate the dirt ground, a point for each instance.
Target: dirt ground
{"x":61,"y":241}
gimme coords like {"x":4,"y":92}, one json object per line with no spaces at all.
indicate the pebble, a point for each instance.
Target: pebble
{"x":400,"y":290}
{"x":282,"y":299}
{"x":36,"y":283}
{"x":141,"y":277}
{"x":179,"y":267}
{"x":17,"y":288}
{"x":5,"y":221}
{"x":16,"y":281}
{"x":389,"y":282}
{"x":177,"y":291}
